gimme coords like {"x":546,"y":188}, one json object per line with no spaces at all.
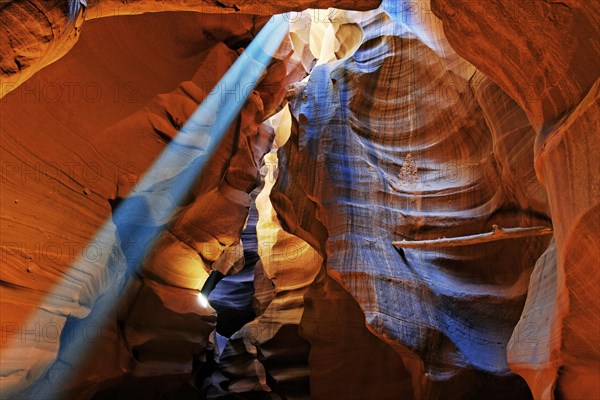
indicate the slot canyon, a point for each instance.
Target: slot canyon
{"x":311,"y":199}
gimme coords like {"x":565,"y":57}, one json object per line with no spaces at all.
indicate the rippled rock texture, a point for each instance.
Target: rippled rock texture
{"x":158,"y":328}
{"x":37,"y":33}
{"x":389,"y":145}
{"x":553,"y":76}
{"x":414,"y":123}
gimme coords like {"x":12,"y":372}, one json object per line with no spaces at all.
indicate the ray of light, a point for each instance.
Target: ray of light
{"x":158,"y":194}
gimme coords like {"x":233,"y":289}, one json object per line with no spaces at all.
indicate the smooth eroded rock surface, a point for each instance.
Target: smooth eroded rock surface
{"x":434,"y":125}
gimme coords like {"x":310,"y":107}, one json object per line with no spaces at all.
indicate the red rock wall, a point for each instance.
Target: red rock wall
{"x":389,"y":145}
{"x":37,"y":33}
{"x":435,"y":120}
{"x":159,"y":327}
{"x":545,"y":55}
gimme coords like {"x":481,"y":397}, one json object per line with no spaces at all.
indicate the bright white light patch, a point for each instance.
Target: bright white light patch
{"x":202,"y":300}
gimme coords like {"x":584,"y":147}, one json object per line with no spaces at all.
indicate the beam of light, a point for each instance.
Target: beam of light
{"x":202,"y":300}
{"x":213,"y":279}
{"x":153,"y":201}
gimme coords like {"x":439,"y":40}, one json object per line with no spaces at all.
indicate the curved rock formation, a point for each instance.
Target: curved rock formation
{"x":37,"y":33}
{"x":428,"y":227}
{"x":164,"y":338}
{"x":380,"y":151}
{"x":553,"y":78}
{"x":547,"y":74}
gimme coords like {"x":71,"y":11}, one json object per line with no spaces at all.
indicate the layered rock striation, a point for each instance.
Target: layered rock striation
{"x":420,"y":124}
